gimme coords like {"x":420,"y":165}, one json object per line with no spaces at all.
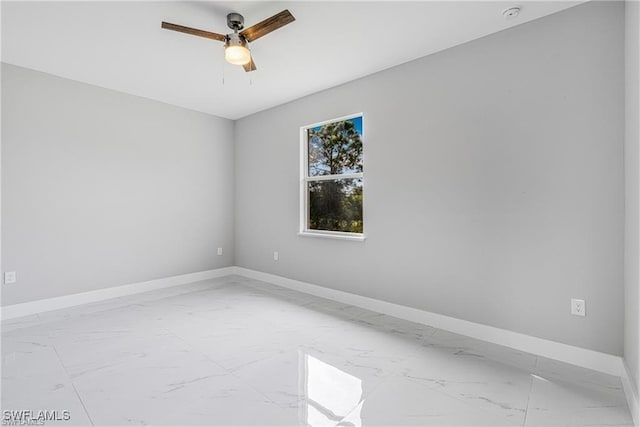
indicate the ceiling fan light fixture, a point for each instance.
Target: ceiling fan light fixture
{"x":236,"y":51}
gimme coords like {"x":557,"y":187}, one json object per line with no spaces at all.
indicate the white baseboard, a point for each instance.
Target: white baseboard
{"x":631,"y":392}
{"x":590,"y":359}
{"x":49,"y":304}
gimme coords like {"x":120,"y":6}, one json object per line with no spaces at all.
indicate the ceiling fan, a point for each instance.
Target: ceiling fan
{"x":236,"y":50}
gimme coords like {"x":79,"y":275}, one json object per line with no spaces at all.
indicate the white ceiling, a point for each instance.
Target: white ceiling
{"x":120,"y":45}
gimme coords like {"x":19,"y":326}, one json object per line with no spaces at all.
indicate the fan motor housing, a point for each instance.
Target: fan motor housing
{"x":235,"y":40}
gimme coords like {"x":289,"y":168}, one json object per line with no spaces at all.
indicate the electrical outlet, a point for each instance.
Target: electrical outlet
{"x":9,"y":277}
{"x":578,"y":307}
{"x":219,"y":251}
{"x":276,"y":256}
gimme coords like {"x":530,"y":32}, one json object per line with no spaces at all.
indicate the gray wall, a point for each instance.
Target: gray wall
{"x":632,"y":182}
{"x":494,"y":182}
{"x":101,"y":189}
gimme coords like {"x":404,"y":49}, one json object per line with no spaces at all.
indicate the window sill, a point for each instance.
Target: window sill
{"x":338,"y":236}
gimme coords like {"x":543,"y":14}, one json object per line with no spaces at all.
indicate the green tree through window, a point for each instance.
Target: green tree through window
{"x":334,"y":176}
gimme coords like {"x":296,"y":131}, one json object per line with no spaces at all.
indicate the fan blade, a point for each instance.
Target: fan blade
{"x":250,"y":66}
{"x":193,"y":31}
{"x":268,"y":25}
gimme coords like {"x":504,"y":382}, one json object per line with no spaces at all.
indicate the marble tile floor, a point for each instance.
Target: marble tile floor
{"x":235,"y":351}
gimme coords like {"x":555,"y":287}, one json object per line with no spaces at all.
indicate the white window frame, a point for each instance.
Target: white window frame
{"x":305,"y":179}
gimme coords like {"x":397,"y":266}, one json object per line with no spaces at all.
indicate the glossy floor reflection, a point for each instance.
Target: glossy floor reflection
{"x":235,"y":351}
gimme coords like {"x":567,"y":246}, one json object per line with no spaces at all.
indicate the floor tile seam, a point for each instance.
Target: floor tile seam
{"x":75,"y":390}
{"x":8,"y":329}
{"x":235,"y":375}
{"x":195,"y":351}
{"x":467,"y":402}
{"x":590,"y":385}
{"x":193,"y":348}
{"x":42,"y":317}
{"x":526,"y":411}
{"x":228,"y":371}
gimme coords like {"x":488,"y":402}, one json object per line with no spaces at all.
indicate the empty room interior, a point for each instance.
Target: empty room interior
{"x":320,"y":213}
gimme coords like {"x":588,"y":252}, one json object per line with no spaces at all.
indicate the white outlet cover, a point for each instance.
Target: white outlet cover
{"x":9,"y":277}
{"x":276,"y":256}
{"x":219,"y":251}
{"x":578,"y":307}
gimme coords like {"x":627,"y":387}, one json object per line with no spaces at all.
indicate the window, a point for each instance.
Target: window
{"x":331,"y":185}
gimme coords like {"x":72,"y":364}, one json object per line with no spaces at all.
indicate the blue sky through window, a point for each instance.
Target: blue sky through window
{"x":357,"y":121}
